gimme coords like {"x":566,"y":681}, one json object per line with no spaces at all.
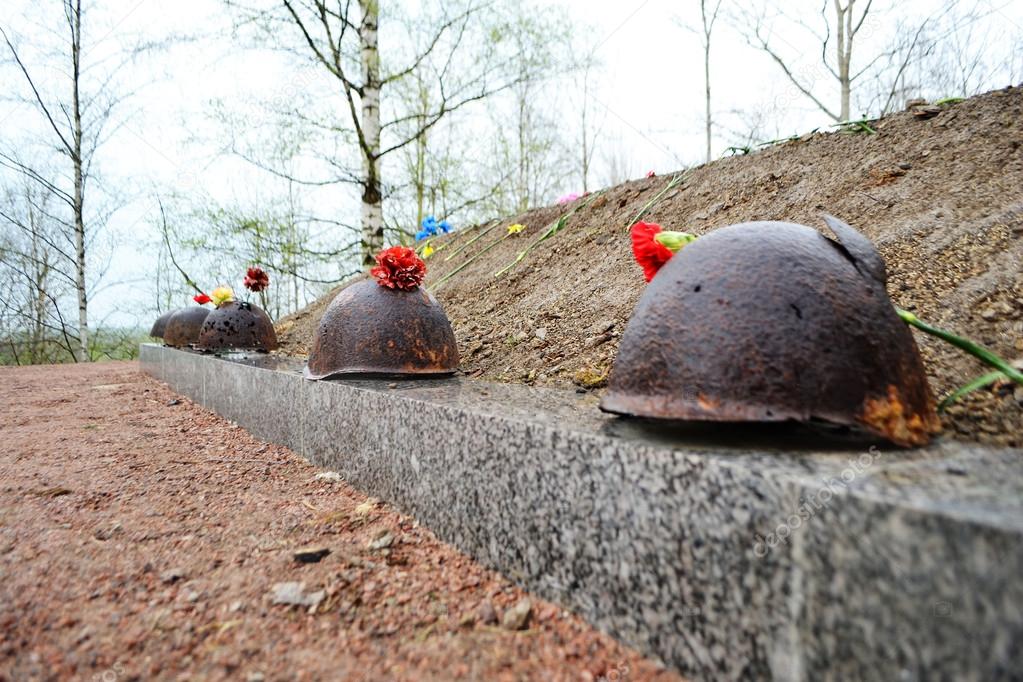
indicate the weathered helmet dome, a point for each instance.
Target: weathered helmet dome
{"x":772,"y":321}
{"x":156,"y":331}
{"x":237,"y":325}
{"x":183,"y":326}
{"x":370,"y":329}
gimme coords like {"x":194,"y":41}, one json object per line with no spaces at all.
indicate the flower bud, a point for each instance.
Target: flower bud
{"x":674,"y":241}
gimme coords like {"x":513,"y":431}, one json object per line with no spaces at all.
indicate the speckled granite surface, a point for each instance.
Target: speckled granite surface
{"x":745,"y":553}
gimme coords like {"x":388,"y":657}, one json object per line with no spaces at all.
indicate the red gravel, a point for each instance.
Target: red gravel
{"x":142,"y":539}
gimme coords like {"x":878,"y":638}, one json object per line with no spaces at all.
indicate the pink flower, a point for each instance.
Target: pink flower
{"x":568,"y":198}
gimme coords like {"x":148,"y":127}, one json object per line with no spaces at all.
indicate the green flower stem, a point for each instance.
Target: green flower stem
{"x":978,"y":383}
{"x":974,"y":349}
{"x":552,"y":229}
{"x":457,"y":236}
{"x":676,"y":180}
{"x":472,"y":241}
{"x":469,"y":262}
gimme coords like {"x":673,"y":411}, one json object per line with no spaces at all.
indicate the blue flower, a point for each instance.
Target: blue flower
{"x":431,"y":228}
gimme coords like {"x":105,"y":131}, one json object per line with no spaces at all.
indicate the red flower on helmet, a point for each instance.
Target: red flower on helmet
{"x":256,"y":279}
{"x":649,"y":253}
{"x":201,"y":299}
{"x":399,"y":268}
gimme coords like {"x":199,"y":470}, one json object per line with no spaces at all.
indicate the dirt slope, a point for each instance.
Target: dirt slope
{"x":941,"y":197}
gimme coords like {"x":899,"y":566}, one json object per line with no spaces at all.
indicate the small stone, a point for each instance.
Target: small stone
{"x":486,"y":613}
{"x":905,"y":166}
{"x":171,"y":403}
{"x":383,"y":540}
{"x":332,"y":476}
{"x":541,"y":333}
{"x":255,"y":677}
{"x":516,"y":617}
{"x":365,"y":508}
{"x":594,"y":341}
{"x":989,"y":314}
{"x":310,"y":555}
{"x":104,"y":534}
{"x":172,"y":576}
{"x":602,"y":326}
{"x":293,"y":594}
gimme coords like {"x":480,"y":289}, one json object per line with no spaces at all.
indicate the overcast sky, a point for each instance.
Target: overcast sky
{"x":650,"y":97}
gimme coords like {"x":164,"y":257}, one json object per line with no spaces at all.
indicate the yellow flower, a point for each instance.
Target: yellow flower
{"x":516,"y":228}
{"x":222,"y":294}
{"x":428,"y":250}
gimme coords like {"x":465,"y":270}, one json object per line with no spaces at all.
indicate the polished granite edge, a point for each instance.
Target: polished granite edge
{"x":724,"y":560}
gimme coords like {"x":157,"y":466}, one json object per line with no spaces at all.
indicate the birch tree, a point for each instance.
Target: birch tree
{"x":837,"y":32}
{"x":64,"y":123}
{"x":36,"y":272}
{"x":460,"y":51}
{"x":68,"y":93}
{"x":708,"y":17}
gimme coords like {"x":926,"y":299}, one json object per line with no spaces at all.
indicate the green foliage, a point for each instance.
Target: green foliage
{"x":19,"y":348}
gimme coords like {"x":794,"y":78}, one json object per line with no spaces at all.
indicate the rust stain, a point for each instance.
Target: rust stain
{"x":890,"y":417}
{"x":369,"y":329}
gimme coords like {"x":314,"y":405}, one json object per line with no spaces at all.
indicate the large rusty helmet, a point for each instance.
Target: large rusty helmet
{"x":237,"y":325}
{"x":156,"y":331}
{"x":371,"y":329}
{"x":773,"y":321}
{"x":183,"y":326}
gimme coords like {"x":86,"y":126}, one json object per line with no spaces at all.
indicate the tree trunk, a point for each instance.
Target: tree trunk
{"x":843,"y":47}
{"x":706,"y":80}
{"x":372,"y":195}
{"x":79,"y":194}
{"x":586,"y":146}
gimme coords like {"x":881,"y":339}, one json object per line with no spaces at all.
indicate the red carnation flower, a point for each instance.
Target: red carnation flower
{"x":649,"y":253}
{"x":201,"y":299}
{"x":256,"y":279}
{"x":399,"y":268}
{"x":651,"y":174}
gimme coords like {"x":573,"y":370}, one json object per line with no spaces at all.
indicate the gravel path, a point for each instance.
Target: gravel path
{"x":142,"y":537}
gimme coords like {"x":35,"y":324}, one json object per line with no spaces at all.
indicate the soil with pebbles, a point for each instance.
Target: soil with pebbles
{"x":142,"y":537}
{"x":940,"y":196}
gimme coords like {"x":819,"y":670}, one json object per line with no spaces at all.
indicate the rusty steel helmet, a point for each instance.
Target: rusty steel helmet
{"x":371,"y":329}
{"x":183,"y":326}
{"x":773,"y":321}
{"x":237,"y":325}
{"x":156,"y":331}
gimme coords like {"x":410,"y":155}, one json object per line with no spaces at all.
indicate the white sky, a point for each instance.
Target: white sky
{"x":651,"y":87}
